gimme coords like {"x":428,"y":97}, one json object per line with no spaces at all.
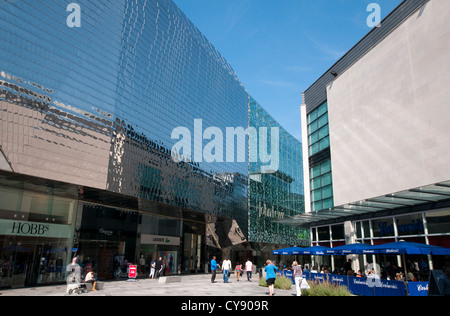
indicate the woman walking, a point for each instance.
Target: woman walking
{"x":298,"y":277}
{"x":270,"y":276}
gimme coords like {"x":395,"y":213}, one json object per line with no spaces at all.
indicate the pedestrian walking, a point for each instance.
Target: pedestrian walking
{"x":142,"y":265}
{"x":226,"y":267}
{"x":249,"y":269}
{"x":159,"y":267}
{"x":298,"y":277}
{"x":238,"y":270}
{"x":214,"y":267}
{"x":270,"y":276}
{"x":152,"y":269}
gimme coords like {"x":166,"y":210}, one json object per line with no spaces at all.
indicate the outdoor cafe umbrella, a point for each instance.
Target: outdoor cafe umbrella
{"x":411,"y":248}
{"x":403,"y":247}
{"x":356,"y":248}
{"x":287,"y":251}
{"x":315,"y":250}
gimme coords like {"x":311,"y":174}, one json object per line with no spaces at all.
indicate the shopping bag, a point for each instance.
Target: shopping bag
{"x":304,"y":285}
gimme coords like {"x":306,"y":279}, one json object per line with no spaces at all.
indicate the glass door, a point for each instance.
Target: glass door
{"x":15,"y":262}
{"x":102,"y":257}
{"x":192,"y":252}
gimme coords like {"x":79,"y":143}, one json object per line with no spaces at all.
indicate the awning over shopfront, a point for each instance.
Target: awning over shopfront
{"x":435,"y":194}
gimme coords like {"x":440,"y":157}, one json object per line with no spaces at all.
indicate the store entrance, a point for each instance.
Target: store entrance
{"x":192,"y":253}
{"x":193,"y":258}
{"x":104,"y":257}
{"x":36,"y":264}
{"x":20,"y":265}
{"x":26,"y":261}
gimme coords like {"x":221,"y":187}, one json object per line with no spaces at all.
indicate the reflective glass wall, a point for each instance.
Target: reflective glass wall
{"x":97,"y":105}
{"x":101,"y":106}
{"x":274,"y":193}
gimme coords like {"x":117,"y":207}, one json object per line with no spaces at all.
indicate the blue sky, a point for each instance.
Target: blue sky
{"x":278,"y":48}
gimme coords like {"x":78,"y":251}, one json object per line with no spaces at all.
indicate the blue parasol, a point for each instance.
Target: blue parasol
{"x":356,"y":248}
{"x":315,"y":250}
{"x":288,"y":251}
{"x":411,"y":248}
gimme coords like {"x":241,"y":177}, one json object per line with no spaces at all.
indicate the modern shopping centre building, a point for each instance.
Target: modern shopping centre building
{"x":376,"y":140}
{"x":90,"y":115}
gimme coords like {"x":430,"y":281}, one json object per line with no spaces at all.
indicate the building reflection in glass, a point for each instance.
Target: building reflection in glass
{"x":94,"y":108}
{"x":279,"y":194}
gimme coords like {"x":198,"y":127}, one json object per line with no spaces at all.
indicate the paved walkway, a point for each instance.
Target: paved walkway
{"x":186,"y":285}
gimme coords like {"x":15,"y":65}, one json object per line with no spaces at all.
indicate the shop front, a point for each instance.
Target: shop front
{"x":106,"y":240}
{"x":155,"y":246}
{"x":36,"y":235}
{"x":180,"y":242}
{"x":159,"y":237}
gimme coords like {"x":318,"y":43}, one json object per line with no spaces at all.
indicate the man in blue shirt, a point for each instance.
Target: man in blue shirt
{"x":214,"y":267}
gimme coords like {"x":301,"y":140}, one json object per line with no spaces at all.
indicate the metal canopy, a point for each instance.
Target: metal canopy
{"x":413,"y":197}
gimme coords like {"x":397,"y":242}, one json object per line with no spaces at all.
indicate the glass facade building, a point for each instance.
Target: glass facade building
{"x":275,"y":195}
{"x":87,"y":121}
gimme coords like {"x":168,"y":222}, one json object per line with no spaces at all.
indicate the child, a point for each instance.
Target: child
{"x":91,"y":279}
{"x":238,"y":270}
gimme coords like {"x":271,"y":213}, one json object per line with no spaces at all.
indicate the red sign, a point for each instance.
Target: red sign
{"x":132,"y":271}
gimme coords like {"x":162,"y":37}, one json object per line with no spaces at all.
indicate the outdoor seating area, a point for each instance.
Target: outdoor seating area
{"x":370,"y":284}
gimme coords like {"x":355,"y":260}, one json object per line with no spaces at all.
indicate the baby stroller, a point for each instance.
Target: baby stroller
{"x":74,"y":284}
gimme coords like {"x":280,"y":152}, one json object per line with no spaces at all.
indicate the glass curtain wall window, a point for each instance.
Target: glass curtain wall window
{"x":277,"y":194}
{"x":428,"y":227}
{"x":318,"y":130}
{"x":320,"y":173}
{"x":321,"y":186}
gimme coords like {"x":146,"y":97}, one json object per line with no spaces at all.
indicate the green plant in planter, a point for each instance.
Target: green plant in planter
{"x":326,"y":289}
{"x":262,"y":282}
{"x":281,"y":283}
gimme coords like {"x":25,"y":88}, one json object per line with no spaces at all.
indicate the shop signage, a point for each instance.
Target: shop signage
{"x":263,"y":210}
{"x":418,"y":288}
{"x":105,"y":232}
{"x":159,"y":240}
{"x":34,"y":229}
{"x":414,"y":227}
{"x":132,"y":271}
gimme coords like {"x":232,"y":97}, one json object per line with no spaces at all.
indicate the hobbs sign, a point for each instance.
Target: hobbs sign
{"x":33,"y":229}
